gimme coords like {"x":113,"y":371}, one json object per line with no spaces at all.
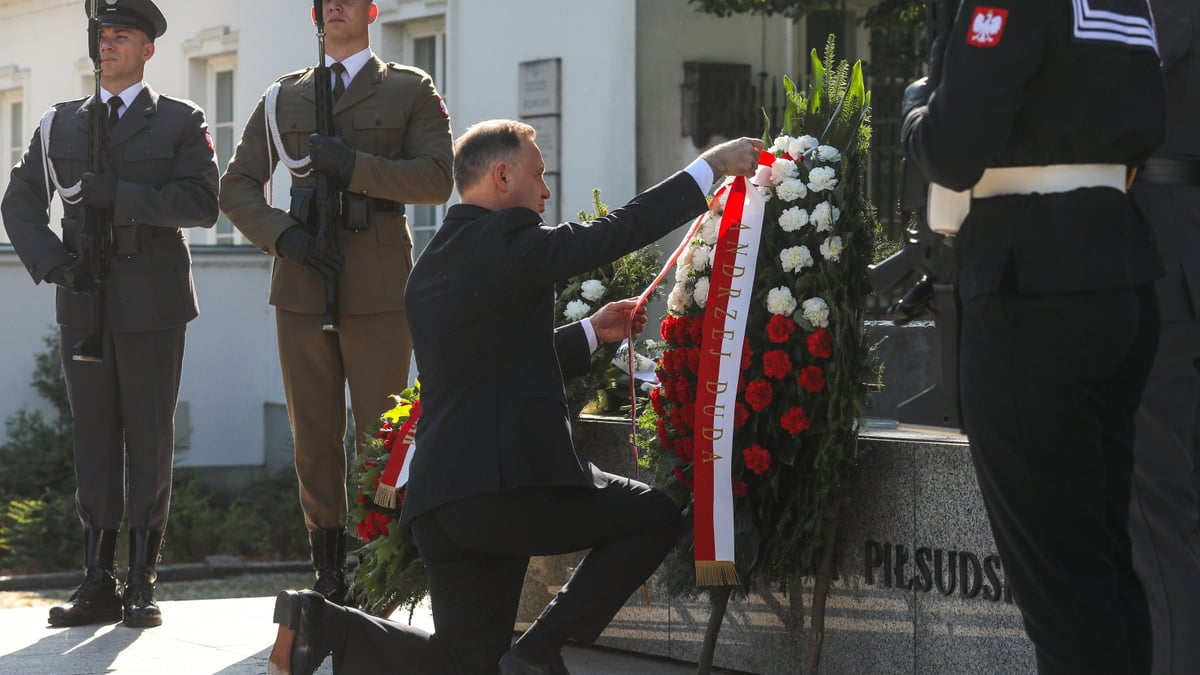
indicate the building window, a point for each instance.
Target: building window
{"x":14,"y":134}
{"x":420,"y":43}
{"x":220,"y":123}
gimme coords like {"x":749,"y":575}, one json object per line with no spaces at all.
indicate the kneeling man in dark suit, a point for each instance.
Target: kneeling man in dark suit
{"x":496,"y":478}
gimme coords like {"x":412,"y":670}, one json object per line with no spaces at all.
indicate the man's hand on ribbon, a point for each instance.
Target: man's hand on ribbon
{"x":738,"y":157}
{"x":611,"y":322}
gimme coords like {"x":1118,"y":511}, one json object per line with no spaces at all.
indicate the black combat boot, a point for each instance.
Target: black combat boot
{"x":140,"y":609}
{"x":98,"y":598}
{"x":329,"y":562}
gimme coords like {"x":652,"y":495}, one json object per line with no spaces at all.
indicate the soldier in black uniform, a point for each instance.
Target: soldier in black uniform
{"x":1041,"y":108}
{"x":161,"y":176}
{"x":1165,"y":518}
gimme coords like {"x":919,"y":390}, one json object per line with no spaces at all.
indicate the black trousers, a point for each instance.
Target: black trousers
{"x":124,"y":414}
{"x":476,"y":551}
{"x":1050,"y":385}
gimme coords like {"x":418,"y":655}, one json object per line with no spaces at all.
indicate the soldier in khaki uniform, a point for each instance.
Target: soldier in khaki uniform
{"x":158,"y":176}
{"x":392,"y":147}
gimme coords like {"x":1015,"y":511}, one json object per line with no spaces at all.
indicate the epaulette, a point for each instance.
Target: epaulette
{"x":176,"y":99}
{"x":412,"y":70}
{"x":61,"y":104}
{"x":294,"y":74}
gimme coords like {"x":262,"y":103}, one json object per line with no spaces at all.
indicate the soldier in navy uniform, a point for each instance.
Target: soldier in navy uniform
{"x":393,"y":147}
{"x":1165,"y":518}
{"x":160,"y":176}
{"x":1042,"y":108}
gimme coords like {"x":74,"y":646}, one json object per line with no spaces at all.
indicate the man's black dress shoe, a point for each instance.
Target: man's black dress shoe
{"x":511,"y":664}
{"x":304,"y":612}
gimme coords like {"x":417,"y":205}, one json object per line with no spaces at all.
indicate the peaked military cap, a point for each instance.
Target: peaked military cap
{"x":140,"y":14}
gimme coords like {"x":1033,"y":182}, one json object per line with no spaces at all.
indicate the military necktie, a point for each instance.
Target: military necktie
{"x":339,"y":85}
{"x":114,"y":107}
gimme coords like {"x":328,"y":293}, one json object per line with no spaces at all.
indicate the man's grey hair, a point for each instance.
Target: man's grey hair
{"x":484,"y":144}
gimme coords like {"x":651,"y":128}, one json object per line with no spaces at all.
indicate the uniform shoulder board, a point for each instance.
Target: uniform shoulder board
{"x":182,"y":101}
{"x":412,"y":70}
{"x":295,"y":74}
{"x":74,"y":101}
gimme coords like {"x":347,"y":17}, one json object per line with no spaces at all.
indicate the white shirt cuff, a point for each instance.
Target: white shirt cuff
{"x":590,"y":332}
{"x":702,"y":173}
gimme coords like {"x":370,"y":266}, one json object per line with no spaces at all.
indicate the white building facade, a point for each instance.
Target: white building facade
{"x":617,"y":89}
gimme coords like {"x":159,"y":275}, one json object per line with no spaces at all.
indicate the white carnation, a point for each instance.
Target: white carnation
{"x":700,"y":293}
{"x":708,"y":231}
{"x":766,"y":192}
{"x":717,"y":205}
{"x":795,"y":259}
{"x":801,"y":145}
{"x":683,"y":267}
{"x":701,"y":258}
{"x":822,"y":178}
{"x":781,"y":144}
{"x":831,"y":248}
{"x":793,"y":219}
{"x":576,"y":310}
{"x":792,"y":189}
{"x":592,"y":290}
{"x":828,"y":153}
{"x":782,"y":170}
{"x":679,"y":299}
{"x":780,"y":301}
{"x":816,"y":312}
{"x":762,"y":176}
{"x":824,"y":216}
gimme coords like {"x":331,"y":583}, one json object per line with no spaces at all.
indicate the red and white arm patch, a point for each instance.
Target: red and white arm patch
{"x":987,"y":26}
{"x":208,"y":141}
{"x":442,"y":105}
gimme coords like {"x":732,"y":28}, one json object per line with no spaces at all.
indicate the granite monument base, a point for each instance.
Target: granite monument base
{"x":920,"y":588}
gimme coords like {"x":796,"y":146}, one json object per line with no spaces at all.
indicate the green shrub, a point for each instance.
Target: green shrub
{"x":40,"y":534}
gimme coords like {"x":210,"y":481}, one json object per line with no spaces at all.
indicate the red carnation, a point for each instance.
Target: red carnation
{"x":759,"y":394}
{"x":383,"y":430}
{"x":777,"y":364}
{"x":658,"y":401}
{"x":667,"y":328}
{"x":740,"y":488}
{"x":740,"y":415}
{"x":757,"y":459}
{"x":685,"y":448}
{"x":693,"y":359}
{"x":663,"y":435}
{"x":820,"y":344}
{"x":795,"y":420}
{"x":695,"y":328}
{"x":812,"y":379}
{"x":780,"y":328}
{"x":747,"y":354}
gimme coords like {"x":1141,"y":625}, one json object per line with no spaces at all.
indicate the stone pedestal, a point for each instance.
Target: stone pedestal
{"x":920,"y":588}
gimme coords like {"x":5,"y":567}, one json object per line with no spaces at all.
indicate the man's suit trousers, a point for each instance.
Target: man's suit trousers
{"x":476,"y":551}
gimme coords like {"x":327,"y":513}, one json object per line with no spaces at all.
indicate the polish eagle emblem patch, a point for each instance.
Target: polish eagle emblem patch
{"x":987,"y":27}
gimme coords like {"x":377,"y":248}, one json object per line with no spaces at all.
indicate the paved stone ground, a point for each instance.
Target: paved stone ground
{"x":209,"y":626}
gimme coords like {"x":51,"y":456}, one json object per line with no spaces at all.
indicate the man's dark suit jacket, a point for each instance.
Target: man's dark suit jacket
{"x":480,"y":306}
{"x":162,"y":156}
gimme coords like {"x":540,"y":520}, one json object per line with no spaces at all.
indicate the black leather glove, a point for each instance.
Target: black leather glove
{"x":915,"y":96}
{"x":333,"y":157}
{"x":99,"y":189}
{"x":301,"y":247}
{"x":66,"y":278}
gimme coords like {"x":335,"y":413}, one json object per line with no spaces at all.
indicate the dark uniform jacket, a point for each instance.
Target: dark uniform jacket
{"x":1021,"y":88}
{"x":1174,"y":210}
{"x":480,"y":303}
{"x":393,"y":116}
{"x":162,"y":156}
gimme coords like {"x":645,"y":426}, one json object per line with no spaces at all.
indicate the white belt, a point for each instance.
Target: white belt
{"x":948,"y":208}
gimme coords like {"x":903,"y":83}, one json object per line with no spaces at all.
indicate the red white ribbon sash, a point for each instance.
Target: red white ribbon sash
{"x":731,"y":286}
{"x":395,"y":474}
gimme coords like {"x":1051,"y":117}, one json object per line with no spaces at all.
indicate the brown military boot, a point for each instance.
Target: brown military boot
{"x":329,"y":562}
{"x":140,"y":610}
{"x":98,"y":598}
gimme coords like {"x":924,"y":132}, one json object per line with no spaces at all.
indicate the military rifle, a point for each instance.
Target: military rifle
{"x":927,"y":257}
{"x":94,"y":247}
{"x":328,"y":204}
